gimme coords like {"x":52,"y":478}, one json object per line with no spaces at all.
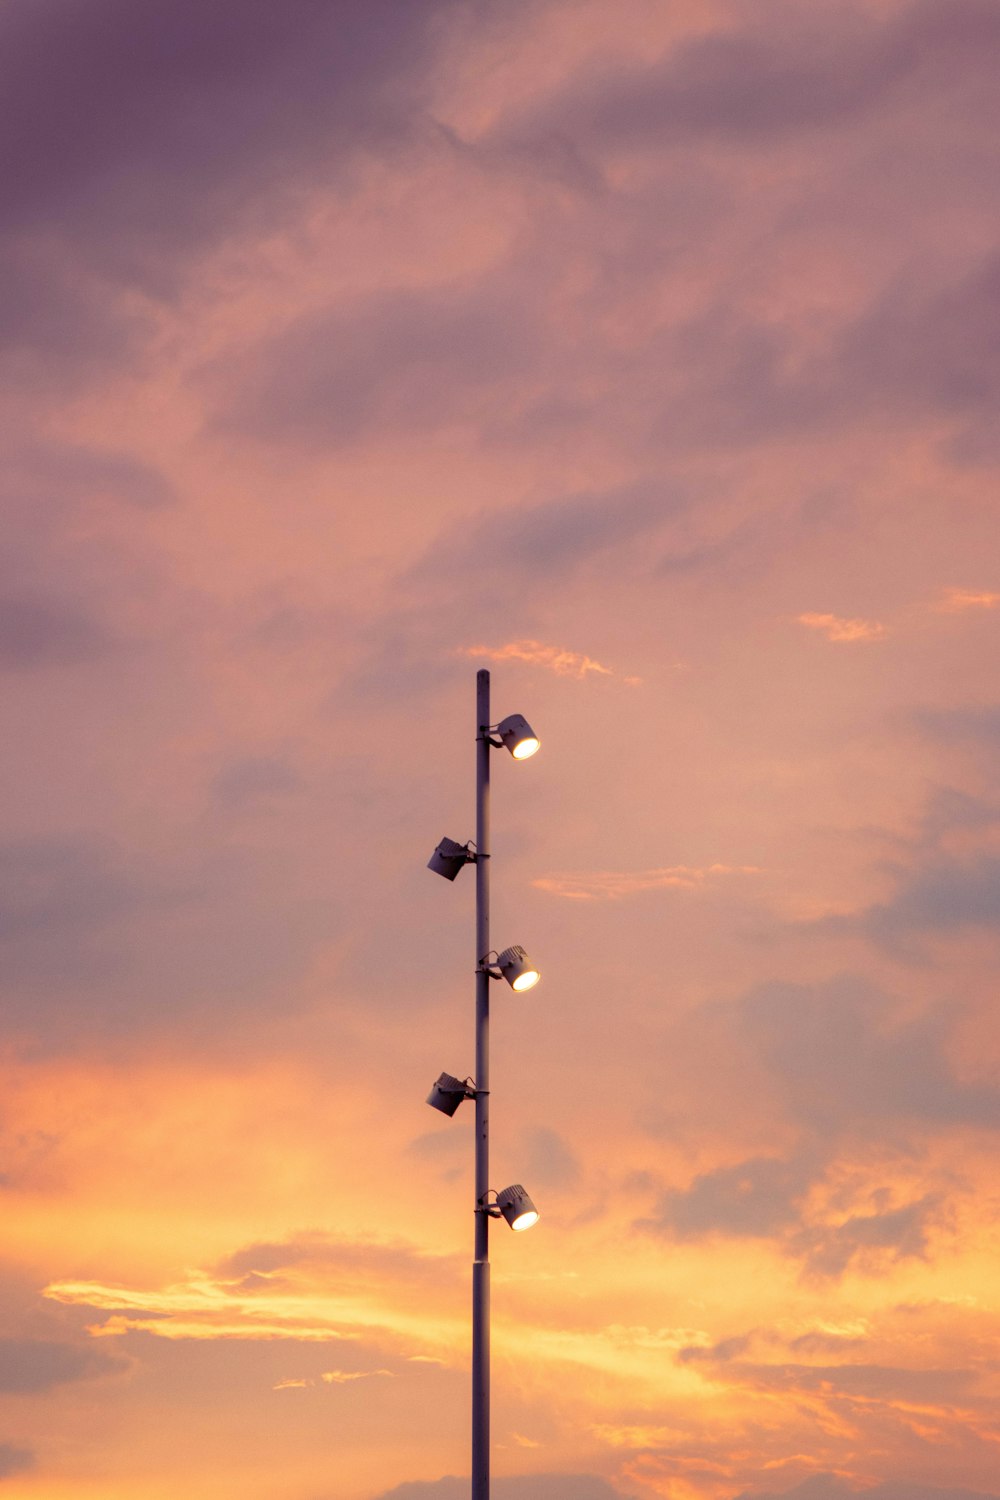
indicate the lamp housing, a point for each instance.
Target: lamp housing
{"x":516,"y":967}
{"x":448,"y":1093}
{"x":449,"y":857}
{"x":518,"y":736}
{"x":517,"y":1208}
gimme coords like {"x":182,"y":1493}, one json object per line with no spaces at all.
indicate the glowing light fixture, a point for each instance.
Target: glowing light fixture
{"x":517,"y":1208}
{"x":517,"y":968}
{"x":518,"y":736}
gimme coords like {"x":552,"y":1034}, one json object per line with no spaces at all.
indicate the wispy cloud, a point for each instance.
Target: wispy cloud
{"x":612,"y":885}
{"x":203,"y":1307}
{"x":837,"y":628}
{"x":564,"y":663}
{"x":329,"y":1377}
{"x":957,"y":601}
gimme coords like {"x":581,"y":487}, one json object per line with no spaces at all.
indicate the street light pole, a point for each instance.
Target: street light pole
{"x":516,"y":735}
{"x":481,"y":1256}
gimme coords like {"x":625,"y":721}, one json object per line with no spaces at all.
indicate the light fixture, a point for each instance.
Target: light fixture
{"x":517,"y":734}
{"x":449,"y":857}
{"x":448,"y":1093}
{"x":516,"y":967}
{"x":517,"y":1208}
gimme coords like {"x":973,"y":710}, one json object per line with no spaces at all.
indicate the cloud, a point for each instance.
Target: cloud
{"x":200,"y":1308}
{"x":330,"y":1377}
{"x":837,"y":628}
{"x":941,"y":897}
{"x":357,"y":1260}
{"x":919,"y":347}
{"x":873,"y":1382}
{"x":139,"y":937}
{"x":417,"y":358}
{"x":60,"y":892}
{"x":30,"y":1365}
{"x":550,"y":539}
{"x":830,"y":1487}
{"x":106,"y":116}
{"x":759,"y":1196}
{"x":110,"y":193}
{"x":843,"y":1060}
{"x":310,"y":1288}
{"x":748,"y":85}
{"x":509,"y":1487}
{"x":828,"y":1250}
{"x":254,"y":779}
{"x":614,"y":885}
{"x":549,"y":1161}
{"x":959,"y":601}
{"x":535,"y":549}
{"x":15,"y":1460}
{"x":971,"y":724}
{"x":564,"y":663}
{"x":768,"y":1198}
{"x":37,"y":632}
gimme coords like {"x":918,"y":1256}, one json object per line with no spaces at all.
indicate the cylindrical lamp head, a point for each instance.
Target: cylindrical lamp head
{"x":517,"y":1208}
{"x":447,"y":1094}
{"x":517,"y":968}
{"x":519,"y":737}
{"x":448,"y":858}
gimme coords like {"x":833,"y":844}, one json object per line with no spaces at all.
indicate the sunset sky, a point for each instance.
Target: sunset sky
{"x":646,"y":352}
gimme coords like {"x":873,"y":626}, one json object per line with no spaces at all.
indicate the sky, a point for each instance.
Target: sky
{"x":647,"y":355}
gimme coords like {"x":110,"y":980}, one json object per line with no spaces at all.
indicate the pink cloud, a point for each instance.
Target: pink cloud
{"x":564,"y":663}
{"x":612,"y":885}
{"x":837,"y":628}
{"x":957,"y":601}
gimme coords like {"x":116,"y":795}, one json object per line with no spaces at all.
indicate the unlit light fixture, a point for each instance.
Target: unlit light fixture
{"x":449,"y":857}
{"x":448,"y":1093}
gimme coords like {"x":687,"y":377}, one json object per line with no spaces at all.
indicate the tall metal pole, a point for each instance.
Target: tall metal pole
{"x":481,"y":1261}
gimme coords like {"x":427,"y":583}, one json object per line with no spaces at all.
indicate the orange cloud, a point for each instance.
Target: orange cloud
{"x":957,"y":601}
{"x":612,"y":885}
{"x":563,"y":663}
{"x":836,"y":628}
{"x":329,"y":1377}
{"x":292,"y":1307}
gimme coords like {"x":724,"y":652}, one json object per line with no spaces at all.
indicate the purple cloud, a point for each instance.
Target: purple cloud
{"x":755,"y":85}
{"x":844,"y":1062}
{"x":36,"y":633}
{"x":829,"y":1487}
{"x":31,"y":1365}
{"x":509,"y":1487}
{"x":404,"y":360}
{"x":14,"y":1460}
